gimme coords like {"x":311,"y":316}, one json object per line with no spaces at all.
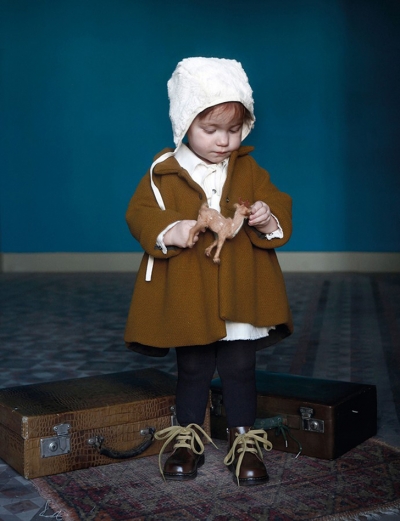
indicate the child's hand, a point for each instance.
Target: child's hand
{"x":178,"y":235}
{"x":261,"y":218}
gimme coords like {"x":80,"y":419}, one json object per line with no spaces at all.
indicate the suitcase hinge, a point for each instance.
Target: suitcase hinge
{"x":309,"y":423}
{"x":57,"y":445}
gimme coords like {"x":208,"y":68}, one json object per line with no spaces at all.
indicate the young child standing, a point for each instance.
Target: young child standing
{"x":216,"y":316}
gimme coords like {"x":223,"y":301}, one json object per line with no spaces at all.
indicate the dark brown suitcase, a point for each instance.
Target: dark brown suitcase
{"x":316,"y":417}
{"x":56,"y":427}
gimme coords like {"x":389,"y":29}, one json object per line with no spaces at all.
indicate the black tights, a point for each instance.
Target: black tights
{"x":235,"y":362}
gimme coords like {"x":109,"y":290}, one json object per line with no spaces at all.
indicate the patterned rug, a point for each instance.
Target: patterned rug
{"x":364,"y":481}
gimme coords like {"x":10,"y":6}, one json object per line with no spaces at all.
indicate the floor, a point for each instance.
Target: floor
{"x":58,"y":326}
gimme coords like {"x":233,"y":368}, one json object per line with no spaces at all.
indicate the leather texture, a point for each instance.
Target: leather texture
{"x":182,"y":465}
{"x":114,"y":406}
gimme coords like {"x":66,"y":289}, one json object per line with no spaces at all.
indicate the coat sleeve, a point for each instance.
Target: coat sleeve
{"x":279,"y":202}
{"x":146,"y":220}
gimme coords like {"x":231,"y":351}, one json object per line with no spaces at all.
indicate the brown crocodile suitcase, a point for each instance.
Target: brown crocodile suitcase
{"x":311,"y":416}
{"x":54,"y":427}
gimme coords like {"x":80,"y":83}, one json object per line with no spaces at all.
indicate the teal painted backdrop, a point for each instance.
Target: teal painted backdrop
{"x":84,"y":109}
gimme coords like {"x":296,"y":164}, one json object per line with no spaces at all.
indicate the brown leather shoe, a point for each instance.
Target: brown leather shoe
{"x":244,"y":456}
{"x":187,"y":455}
{"x":182,"y":465}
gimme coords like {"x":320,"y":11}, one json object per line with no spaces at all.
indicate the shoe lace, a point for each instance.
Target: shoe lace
{"x":187,"y":437}
{"x":247,"y":442}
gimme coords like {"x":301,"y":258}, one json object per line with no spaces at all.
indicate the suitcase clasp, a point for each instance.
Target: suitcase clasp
{"x":309,"y":423}
{"x":174,"y":420}
{"x":57,"y":445}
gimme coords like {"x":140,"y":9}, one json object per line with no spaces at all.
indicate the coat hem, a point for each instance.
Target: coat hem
{"x":275,"y":335}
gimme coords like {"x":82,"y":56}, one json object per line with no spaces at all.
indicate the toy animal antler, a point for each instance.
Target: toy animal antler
{"x":224,"y":228}
{"x":244,"y":203}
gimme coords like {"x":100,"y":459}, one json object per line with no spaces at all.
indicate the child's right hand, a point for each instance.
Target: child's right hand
{"x":178,"y":235}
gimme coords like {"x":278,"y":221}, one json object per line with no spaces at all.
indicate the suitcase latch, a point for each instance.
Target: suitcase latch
{"x":57,"y":445}
{"x":309,"y":423}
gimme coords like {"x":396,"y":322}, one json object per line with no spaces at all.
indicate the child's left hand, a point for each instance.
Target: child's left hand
{"x":261,"y":218}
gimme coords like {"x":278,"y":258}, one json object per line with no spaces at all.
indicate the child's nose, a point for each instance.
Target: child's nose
{"x":223,"y":138}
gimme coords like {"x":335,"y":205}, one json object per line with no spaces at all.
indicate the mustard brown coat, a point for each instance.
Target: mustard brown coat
{"x":189,"y":297}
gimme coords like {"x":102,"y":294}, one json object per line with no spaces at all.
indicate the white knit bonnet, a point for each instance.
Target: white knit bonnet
{"x":195,"y":85}
{"x":200,"y":83}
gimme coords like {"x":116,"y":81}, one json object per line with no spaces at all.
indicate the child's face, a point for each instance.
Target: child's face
{"x":214,"y":137}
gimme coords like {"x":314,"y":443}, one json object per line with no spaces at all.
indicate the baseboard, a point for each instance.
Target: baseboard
{"x":363,"y":262}
{"x":70,"y":262}
{"x":122,"y":262}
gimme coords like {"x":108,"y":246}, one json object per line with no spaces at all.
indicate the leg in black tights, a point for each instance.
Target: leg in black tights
{"x":236,"y":361}
{"x":196,"y":366}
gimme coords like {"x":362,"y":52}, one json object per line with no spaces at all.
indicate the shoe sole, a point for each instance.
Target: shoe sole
{"x":250,"y":482}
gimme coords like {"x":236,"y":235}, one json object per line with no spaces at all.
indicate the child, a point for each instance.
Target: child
{"x":216,"y":316}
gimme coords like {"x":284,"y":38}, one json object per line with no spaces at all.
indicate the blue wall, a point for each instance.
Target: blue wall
{"x":84,"y":109}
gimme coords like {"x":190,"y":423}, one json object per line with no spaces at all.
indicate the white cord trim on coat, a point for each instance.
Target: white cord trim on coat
{"x":160,"y":201}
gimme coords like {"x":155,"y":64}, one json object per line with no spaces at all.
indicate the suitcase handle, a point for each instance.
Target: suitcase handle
{"x":97,"y":443}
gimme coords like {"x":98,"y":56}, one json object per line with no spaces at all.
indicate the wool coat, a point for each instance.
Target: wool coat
{"x":189,"y":298}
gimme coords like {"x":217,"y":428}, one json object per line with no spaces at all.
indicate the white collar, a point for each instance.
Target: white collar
{"x":189,"y":161}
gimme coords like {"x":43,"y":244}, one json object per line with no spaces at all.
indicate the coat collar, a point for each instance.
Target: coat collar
{"x":171,"y":165}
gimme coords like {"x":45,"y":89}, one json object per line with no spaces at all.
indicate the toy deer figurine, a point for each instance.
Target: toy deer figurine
{"x":224,"y":228}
